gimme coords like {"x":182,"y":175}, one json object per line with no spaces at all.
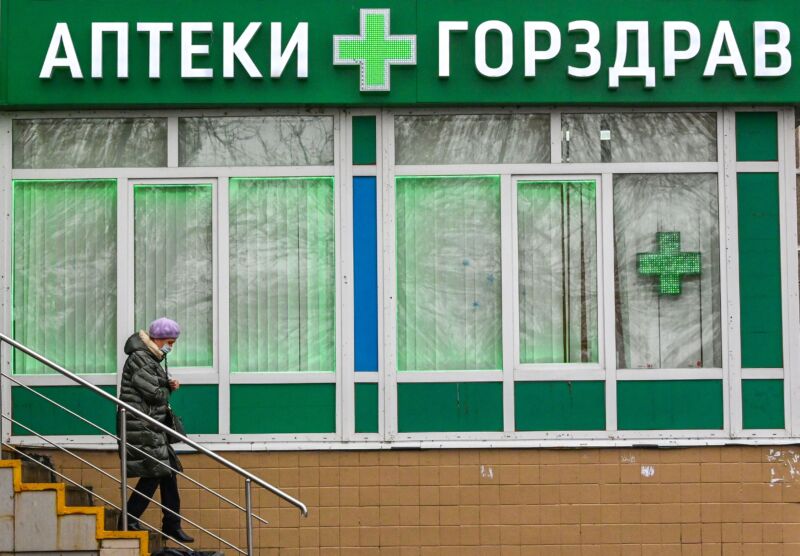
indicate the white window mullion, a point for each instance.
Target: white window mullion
{"x":608,"y":297}
{"x":6,"y":199}
{"x":389,"y":273}
{"x":223,"y":347}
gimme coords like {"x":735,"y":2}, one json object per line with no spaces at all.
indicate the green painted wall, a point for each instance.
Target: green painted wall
{"x":283,"y":408}
{"x":560,"y":406}
{"x":366,"y":407}
{"x":450,"y":407}
{"x":32,"y":411}
{"x":756,"y":136}
{"x":762,"y":404}
{"x":760,"y":271}
{"x":669,"y":404}
{"x":364,"y":140}
{"x":198,"y":406}
{"x":26,"y":27}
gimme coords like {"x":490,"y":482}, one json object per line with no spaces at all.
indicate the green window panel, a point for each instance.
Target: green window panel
{"x":364,"y":140}
{"x":557,"y":256}
{"x":38,"y":414}
{"x":282,"y":275}
{"x":760,"y":271}
{"x":762,"y":404}
{"x":64,"y":284}
{"x":283,"y":408}
{"x":560,"y":406}
{"x":366,"y":407}
{"x":756,"y":136}
{"x":174,"y":268}
{"x":198,"y":406}
{"x":448,"y":273}
{"x":669,"y":404}
{"x":450,"y":407}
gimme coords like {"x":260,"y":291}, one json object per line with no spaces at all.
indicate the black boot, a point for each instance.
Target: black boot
{"x":178,"y":534}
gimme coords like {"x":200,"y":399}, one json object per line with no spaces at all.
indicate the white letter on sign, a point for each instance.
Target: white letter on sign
{"x":61,"y":37}
{"x":445,"y":28}
{"x":154,"y":30}
{"x":531,"y":54}
{"x":589,"y":49}
{"x":780,"y":48}
{"x":121,"y":30}
{"x":724,"y":37}
{"x":671,"y":53}
{"x":506,"y":49}
{"x":189,"y":50}
{"x":644,"y":69}
{"x":298,"y":41}
{"x":237,"y":48}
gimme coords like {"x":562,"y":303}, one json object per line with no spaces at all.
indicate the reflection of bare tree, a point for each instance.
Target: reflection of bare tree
{"x":90,"y":143}
{"x":256,"y":141}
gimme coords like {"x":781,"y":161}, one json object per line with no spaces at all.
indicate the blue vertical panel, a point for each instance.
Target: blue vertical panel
{"x":365,"y":278}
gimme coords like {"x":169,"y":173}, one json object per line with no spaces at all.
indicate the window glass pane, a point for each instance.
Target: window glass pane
{"x":65,"y":274}
{"x":90,"y":143}
{"x":639,"y":137}
{"x":282,"y":275}
{"x":256,"y":141}
{"x":557,"y":247}
{"x":448,"y":273}
{"x":666,"y":262}
{"x":174,"y":266}
{"x":472,"y":139}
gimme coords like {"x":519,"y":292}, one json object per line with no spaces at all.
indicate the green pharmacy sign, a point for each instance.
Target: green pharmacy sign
{"x":375,"y":50}
{"x":669,"y":263}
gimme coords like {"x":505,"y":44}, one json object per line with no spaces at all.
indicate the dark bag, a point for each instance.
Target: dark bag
{"x":175,"y":423}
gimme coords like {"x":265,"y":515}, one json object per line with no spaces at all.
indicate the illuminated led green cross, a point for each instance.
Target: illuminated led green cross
{"x":669,"y":263}
{"x":375,"y":50}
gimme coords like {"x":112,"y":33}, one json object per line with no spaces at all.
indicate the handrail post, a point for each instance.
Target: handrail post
{"x":248,"y":496}
{"x":123,"y":467}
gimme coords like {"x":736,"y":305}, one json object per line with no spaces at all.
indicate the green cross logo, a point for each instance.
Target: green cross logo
{"x":375,"y":50}
{"x":669,"y":263}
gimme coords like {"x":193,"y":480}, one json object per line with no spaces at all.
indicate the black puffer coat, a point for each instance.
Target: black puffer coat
{"x":145,"y":387}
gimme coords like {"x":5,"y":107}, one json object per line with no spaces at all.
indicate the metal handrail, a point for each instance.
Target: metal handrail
{"x":113,"y":478}
{"x":125,"y":408}
{"x":115,"y":437}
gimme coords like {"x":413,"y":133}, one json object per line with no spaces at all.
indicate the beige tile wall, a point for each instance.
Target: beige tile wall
{"x":691,"y":501}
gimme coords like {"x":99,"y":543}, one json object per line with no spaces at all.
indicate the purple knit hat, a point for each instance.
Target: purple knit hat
{"x":164,"y":328}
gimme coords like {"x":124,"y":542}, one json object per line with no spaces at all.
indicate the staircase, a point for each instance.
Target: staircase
{"x":35,"y":519}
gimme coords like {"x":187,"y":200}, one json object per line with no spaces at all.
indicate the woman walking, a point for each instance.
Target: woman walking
{"x":147,"y":387}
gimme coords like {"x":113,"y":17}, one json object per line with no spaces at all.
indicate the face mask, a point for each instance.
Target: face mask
{"x":165,"y":349}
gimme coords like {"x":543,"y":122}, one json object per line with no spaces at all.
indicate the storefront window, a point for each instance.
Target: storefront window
{"x":557,"y":250}
{"x":256,"y":141}
{"x":282,"y":275}
{"x":174,"y":266}
{"x":639,"y":137}
{"x":448,"y":273}
{"x":64,"y":274}
{"x":667,"y":271}
{"x":90,"y":143}
{"x":472,"y":139}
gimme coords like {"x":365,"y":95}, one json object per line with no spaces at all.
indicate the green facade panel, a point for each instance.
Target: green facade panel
{"x":450,"y":407}
{"x":669,"y":404}
{"x":198,"y":406}
{"x":762,"y":404}
{"x":364,"y":140}
{"x":756,"y":136}
{"x":560,"y":406}
{"x":44,"y":418}
{"x":760,"y":270}
{"x":283,"y":408}
{"x":366,"y":407}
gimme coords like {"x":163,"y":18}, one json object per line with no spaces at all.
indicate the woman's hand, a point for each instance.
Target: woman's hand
{"x":174,"y":384}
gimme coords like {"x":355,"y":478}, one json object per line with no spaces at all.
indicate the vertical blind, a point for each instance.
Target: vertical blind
{"x":667,"y":331}
{"x":64,"y":274}
{"x":174,"y":265}
{"x":557,"y":261}
{"x":282,"y":275}
{"x":448,"y":273}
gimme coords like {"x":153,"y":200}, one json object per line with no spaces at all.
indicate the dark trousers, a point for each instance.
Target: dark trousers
{"x":170,"y":498}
